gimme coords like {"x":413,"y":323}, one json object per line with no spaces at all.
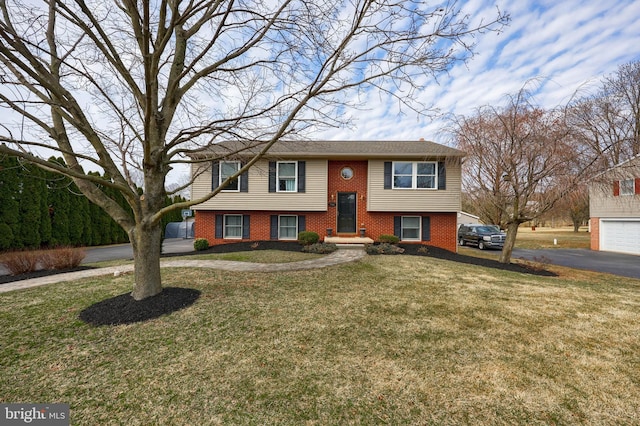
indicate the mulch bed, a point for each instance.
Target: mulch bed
{"x":415,"y":249}
{"x":123,"y":309}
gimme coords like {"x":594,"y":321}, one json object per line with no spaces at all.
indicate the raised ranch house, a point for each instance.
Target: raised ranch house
{"x":614,"y":205}
{"x":340,"y":189}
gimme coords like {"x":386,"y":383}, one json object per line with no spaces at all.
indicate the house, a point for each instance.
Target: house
{"x":465,"y":218}
{"x":346,"y":189}
{"x":614,"y":206}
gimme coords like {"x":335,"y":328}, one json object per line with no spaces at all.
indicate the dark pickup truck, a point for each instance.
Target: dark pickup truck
{"x":483,"y":236}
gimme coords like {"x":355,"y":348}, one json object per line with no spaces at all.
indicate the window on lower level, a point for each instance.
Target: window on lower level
{"x":233,"y":226}
{"x":410,"y":228}
{"x":288,"y":227}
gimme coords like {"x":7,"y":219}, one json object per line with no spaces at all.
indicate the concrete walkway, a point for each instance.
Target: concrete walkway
{"x":342,"y":255}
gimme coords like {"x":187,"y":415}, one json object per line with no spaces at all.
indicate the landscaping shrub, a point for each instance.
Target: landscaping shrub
{"x":201,"y":244}
{"x":306,"y":238}
{"x":383,"y":248}
{"x":390,"y":239}
{"x":61,"y":258}
{"x":23,"y":262}
{"x":20,"y":262}
{"x":320,"y":248}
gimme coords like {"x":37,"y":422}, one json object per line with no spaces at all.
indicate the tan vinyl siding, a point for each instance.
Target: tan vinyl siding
{"x":603,"y":204}
{"x":414,"y":200}
{"x":259,"y":198}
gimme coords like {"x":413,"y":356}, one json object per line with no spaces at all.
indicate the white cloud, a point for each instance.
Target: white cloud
{"x":565,"y":45}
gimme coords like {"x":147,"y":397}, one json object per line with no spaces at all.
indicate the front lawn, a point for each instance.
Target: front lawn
{"x":547,"y":237}
{"x":387,"y":340}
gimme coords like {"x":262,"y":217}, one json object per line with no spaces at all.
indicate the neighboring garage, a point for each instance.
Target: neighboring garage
{"x":614,"y":207}
{"x":620,"y":235}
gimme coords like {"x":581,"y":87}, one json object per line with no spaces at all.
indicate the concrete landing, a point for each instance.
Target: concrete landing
{"x":348,"y":240}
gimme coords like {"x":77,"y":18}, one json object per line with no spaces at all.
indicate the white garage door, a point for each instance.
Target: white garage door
{"x":622,"y":236}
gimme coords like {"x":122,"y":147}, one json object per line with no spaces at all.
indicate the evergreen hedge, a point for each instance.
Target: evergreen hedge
{"x":44,"y":209}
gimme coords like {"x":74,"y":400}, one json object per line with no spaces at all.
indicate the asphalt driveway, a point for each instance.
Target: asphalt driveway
{"x":625,"y":265}
{"x":124,"y":251}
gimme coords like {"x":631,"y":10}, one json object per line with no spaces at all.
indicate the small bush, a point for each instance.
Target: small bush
{"x":384,"y":248}
{"x":320,"y":248}
{"x":389,"y":239}
{"x":24,"y":262}
{"x":20,"y":262}
{"x":306,"y":238}
{"x":61,"y":258}
{"x":201,"y":244}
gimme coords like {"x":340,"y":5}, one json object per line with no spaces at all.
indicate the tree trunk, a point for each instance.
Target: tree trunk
{"x":510,"y":242}
{"x":146,"y":241}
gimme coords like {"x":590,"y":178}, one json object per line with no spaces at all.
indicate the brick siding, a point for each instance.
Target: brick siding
{"x":595,"y":233}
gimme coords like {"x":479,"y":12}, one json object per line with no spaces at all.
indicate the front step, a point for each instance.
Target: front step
{"x":348,"y":240}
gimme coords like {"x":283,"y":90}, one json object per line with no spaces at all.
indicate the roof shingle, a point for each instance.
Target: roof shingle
{"x":333,"y":149}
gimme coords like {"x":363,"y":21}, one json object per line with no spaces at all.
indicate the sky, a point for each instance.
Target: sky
{"x":558,"y":49}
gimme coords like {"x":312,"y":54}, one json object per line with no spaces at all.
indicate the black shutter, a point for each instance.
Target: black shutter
{"x":272,"y":176}
{"x":246,"y":229}
{"x":274,"y":227}
{"x":397,"y":226}
{"x":442,"y":175}
{"x":302,"y":224}
{"x":215,"y":175}
{"x":219,"y":225}
{"x":426,"y":228}
{"x":244,"y":179}
{"x":302,"y":166}
{"x":387,"y":175}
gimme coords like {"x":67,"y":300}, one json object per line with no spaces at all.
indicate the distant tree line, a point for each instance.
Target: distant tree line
{"x":44,"y":209}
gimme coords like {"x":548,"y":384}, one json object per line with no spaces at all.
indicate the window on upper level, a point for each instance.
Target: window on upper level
{"x":627,"y":187}
{"x":287,"y":176}
{"x":229,"y":168}
{"x":415,"y":175}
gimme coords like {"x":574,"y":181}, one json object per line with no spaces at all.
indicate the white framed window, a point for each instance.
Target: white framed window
{"x":415,"y":175}
{"x":288,"y":227}
{"x":229,"y":168}
{"x":627,"y":187}
{"x":233,"y":226}
{"x":410,"y":228}
{"x":287,"y":176}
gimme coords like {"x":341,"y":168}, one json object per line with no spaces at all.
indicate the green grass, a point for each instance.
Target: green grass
{"x":561,"y":237}
{"x":388,"y":340}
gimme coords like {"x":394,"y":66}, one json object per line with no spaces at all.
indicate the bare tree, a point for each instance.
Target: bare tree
{"x":520,"y":162}
{"x":608,"y":121}
{"x":576,"y":204}
{"x":123,"y":85}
